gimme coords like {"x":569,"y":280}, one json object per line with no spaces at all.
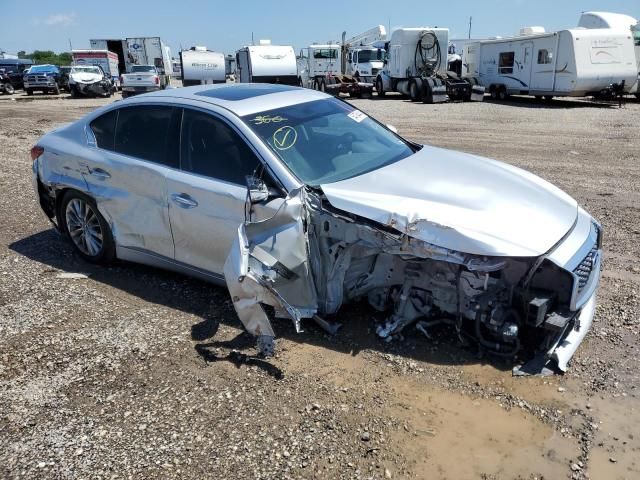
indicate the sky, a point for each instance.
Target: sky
{"x":228,"y":25}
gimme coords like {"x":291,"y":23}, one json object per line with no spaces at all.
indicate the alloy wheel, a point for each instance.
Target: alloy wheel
{"x":83,"y":226}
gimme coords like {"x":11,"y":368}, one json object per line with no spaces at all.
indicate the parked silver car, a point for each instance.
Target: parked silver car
{"x":300,"y":201}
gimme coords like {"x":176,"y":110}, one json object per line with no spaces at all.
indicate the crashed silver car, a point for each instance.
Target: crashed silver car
{"x":302,"y":202}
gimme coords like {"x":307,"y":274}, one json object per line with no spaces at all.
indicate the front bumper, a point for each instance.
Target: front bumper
{"x":580,"y":254}
{"x":566,"y":348}
{"x":90,"y":89}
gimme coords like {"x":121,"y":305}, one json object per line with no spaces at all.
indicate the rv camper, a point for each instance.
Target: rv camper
{"x":575,"y":62}
{"x":266,"y":63}
{"x":617,"y":21}
{"x":202,"y":66}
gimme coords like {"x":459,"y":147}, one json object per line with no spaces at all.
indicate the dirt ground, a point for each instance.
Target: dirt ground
{"x":139,"y":373}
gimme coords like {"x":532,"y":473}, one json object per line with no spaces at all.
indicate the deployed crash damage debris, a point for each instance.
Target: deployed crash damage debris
{"x":310,"y":258}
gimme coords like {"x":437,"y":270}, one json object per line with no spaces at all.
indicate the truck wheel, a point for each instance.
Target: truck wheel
{"x":124,"y":94}
{"x":502,"y":94}
{"x":56,"y":90}
{"x":29,"y":91}
{"x":73,"y":92}
{"x":548,"y":98}
{"x":414,"y":91}
{"x":493,"y":92}
{"x":8,"y":89}
{"x":380,"y":87}
{"x":322,"y":87}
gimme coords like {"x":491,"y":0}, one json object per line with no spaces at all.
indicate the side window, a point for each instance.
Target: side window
{"x":211,"y":148}
{"x":149,"y":132}
{"x":544,"y":56}
{"x":104,"y":129}
{"x":505,"y":64}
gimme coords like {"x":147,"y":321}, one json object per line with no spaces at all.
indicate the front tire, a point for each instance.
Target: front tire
{"x":29,"y":91}
{"x":8,"y":89}
{"x":87,"y":229}
{"x":380,"y":87}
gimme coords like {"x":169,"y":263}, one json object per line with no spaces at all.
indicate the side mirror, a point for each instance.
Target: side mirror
{"x":392,"y":128}
{"x":258,"y":190}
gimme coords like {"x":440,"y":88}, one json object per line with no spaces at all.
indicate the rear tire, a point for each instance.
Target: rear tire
{"x":56,"y":90}
{"x":29,"y":91}
{"x":414,"y":92}
{"x":548,"y":98}
{"x":8,"y":89}
{"x":502,"y":94}
{"x":322,"y":87}
{"x":87,"y":229}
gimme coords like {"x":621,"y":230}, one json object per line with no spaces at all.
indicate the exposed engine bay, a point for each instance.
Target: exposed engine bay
{"x":310,"y":259}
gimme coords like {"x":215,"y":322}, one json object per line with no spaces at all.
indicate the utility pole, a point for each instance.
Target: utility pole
{"x":252,"y":39}
{"x":470,"y":18}
{"x":70,"y":47}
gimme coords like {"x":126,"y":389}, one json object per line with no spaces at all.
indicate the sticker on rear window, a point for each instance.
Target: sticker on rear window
{"x":357,"y":115}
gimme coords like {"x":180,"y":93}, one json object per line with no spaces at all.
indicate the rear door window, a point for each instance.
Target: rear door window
{"x":212,"y":148}
{"x":104,"y":129}
{"x":149,"y":132}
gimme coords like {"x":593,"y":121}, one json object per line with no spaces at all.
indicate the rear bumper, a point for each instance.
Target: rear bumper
{"x":140,"y":89}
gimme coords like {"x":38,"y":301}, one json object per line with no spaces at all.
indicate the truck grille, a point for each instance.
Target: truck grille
{"x":585,"y":267}
{"x":37,"y":79}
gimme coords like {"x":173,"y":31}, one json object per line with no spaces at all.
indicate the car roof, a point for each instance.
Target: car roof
{"x":242,"y":98}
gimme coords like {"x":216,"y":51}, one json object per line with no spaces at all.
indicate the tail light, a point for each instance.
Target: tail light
{"x":36,"y":151}
{"x":157,"y":80}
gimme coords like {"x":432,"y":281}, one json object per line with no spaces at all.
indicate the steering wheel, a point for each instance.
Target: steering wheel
{"x":345,"y":143}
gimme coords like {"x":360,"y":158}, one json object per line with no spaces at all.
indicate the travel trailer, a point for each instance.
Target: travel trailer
{"x":200,"y":66}
{"x":618,"y":21}
{"x":266,"y":63}
{"x":574,"y":62}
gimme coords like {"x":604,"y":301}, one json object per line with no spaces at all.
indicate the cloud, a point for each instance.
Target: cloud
{"x":57,"y":20}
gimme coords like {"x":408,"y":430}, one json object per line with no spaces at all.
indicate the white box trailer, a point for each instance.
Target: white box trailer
{"x":266,"y":63}
{"x":151,"y":51}
{"x":617,"y":21}
{"x":574,"y":62}
{"x":117,"y":46}
{"x":201,"y":67}
{"x":105,"y":59}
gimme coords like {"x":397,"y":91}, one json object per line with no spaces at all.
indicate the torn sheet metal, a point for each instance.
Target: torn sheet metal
{"x":269,"y":264}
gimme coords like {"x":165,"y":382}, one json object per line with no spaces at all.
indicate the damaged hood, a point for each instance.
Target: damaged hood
{"x":461,"y":202}
{"x":86,"y":77}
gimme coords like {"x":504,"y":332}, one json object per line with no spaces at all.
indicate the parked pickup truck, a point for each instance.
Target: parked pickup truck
{"x":43,"y":78}
{"x":141,"y":79}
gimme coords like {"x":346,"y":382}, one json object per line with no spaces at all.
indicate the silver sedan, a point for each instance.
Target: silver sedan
{"x":298,"y":200}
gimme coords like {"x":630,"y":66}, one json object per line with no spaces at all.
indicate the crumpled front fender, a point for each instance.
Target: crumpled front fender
{"x":269,"y":264}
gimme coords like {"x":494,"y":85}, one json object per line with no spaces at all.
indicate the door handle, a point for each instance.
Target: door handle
{"x":183,"y":200}
{"x":100,"y":173}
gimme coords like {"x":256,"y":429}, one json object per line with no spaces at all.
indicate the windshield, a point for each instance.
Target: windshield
{"x":86,"y":70}
{"x":326,"y":141}
{"x":365,"y":56}
{"x":143,"y":68}
{"x":42,"y":69}
{"x":325,"y":53}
